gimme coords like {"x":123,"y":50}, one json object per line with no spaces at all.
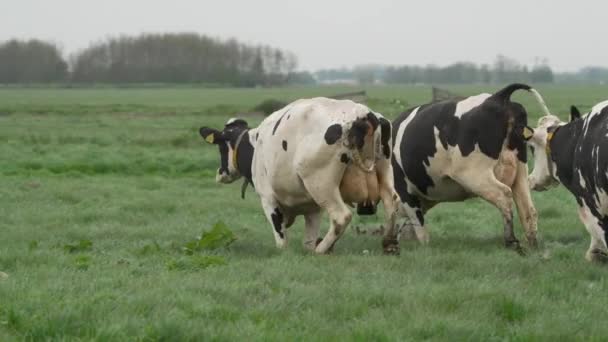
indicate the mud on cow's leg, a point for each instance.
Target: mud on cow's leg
{"x":278,"y":221}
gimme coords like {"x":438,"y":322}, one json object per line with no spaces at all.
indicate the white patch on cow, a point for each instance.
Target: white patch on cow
{"x":231,"y":120}
{"x":597,"y":160}
{"x":594,"y":111}
{"x":600,"y":106}
{"x":592,"y":225}
{"x":399,"y":138}
{"x":464,"y":106}
{"x":601,"y":200}
{"x":581,"y":179}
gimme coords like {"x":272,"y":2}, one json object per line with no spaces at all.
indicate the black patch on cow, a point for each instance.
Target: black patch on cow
{"x":373,"y":120}
{"x":276,"y":125}
{"x":288,"y":116}
{"x":344,"y":158}
{"x":517,"y":141}
{"x":277,"y":222}
{"x":420,"y":216}
{"x":245,"y":157}
{"x":333,"y":133}
{"x":579,"y":150}
{"x":574,"y":113}
{"x":485,"y":126}
{"x":357,"y":133}
{"x":401,"y":186}
{"x":284,"y":144}
{"x":385,"y":130}
{"x":238,"y":123}
{"x":257,"y":135}
{"x":223,"y":158}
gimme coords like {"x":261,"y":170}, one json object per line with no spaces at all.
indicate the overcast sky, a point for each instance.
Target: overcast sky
{"x":329,"y":33}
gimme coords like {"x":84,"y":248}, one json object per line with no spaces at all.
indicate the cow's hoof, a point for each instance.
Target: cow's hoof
{"x":599,"y":256}
{"x":391,"y":247}
{"x":516,"y":246}
{"x":329,"y":250}
{"x":532,"y":242}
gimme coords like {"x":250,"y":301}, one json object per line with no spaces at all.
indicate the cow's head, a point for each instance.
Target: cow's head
{"x":227,"y":141}
{"x":543,"y":175}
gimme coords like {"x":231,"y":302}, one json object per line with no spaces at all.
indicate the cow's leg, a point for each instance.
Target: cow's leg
{"x":413,"y":208}
{"x":321,"y":177}
{"x":339,"y":218}
{"x":389,"y":199}
{"x":277,"y":219}
{"x":326,"y":193}
{"x":312,"y":222}
{"x":486,"y":186}
{"x":525,"y":207}
{"x":598,"y":250}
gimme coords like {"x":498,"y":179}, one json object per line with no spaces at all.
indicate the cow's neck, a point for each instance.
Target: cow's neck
{"x":243,"y":150}
{"x":562,"y":148}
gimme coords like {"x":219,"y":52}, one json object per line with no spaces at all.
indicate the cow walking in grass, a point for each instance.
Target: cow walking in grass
{"x":575,"y":154}
{"x":313,"y":155}
{"x":452,"y":150}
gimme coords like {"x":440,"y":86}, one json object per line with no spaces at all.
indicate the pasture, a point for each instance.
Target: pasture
{"x":100,"y":190}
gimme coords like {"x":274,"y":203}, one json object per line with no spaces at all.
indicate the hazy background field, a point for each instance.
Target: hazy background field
{"x":101,"y":188}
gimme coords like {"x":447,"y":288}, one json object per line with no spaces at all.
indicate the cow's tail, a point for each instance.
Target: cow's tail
{"x":504,"y":95}
{"x":363,"y":142}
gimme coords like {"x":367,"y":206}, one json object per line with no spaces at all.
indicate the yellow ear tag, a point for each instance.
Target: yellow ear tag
{"x":209,"y":138}
{"x":528,"y":133}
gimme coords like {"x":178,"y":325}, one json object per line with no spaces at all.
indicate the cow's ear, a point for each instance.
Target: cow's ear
{"x":528,"y":133}
{"x":210,"y":135}
{"x":574,"y":113}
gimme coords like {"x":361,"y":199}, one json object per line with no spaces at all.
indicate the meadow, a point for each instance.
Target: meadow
{"x":101,"y":189}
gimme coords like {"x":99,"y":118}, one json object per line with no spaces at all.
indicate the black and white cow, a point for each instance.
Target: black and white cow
{"x":457,"y":149}
{"x":314,"y":154}
{"x":576,"y":155}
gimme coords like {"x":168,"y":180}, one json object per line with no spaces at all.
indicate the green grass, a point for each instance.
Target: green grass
{"x":100,"y":190}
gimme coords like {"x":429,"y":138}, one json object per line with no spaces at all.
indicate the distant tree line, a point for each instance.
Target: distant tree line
{"x":195,"y":58}
{"x":151,"y":58}
{"x":31,"y":61}
{"x":503,"y":70}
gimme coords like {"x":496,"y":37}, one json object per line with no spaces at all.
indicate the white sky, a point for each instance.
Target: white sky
{"x":334,"y":33}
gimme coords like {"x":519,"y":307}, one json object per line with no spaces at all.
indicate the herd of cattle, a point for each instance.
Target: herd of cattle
{"x":323,"y":154}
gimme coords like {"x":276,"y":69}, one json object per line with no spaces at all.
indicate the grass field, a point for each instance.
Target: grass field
{"x":101,"y":188}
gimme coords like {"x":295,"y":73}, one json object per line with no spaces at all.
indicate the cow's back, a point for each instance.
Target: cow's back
{"x":295,"y":135}
{"x":419,"y":153}
{"x":590,"y":162}
{"x":431,"y":139}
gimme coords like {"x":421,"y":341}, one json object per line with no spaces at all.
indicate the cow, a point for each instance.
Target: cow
{"x":575,"y":154}
{"x":313,"y":155}
{"x":452,"y":150}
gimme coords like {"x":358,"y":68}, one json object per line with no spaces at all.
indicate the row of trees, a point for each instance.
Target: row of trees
{"x":194,"y":58}
{"x":31,"y":61}
{"x":504,"y":70}
{"x":180,"y":58}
